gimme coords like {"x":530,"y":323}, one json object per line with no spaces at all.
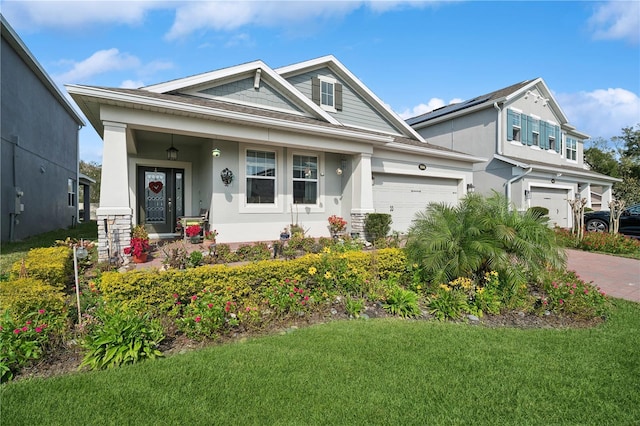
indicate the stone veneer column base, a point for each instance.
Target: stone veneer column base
{"x":357,"y":224}
{"x":119,"y":228}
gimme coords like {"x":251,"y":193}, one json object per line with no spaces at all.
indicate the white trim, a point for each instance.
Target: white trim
{"x":135,"y":162}
{"x":184,"y":109}
{"x":346,"y":75}
{"x":278,"y":204}
{"x":332,"y":82}
{"x":320,"y":202}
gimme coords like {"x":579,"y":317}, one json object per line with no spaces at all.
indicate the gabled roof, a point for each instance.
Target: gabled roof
{"x":192,"y":83}
{"x":546,"y":167}
{"x":89,"y":98}
{"x":355,"y":84}
{"x":25,"y":54}
{"x":500,"y":96}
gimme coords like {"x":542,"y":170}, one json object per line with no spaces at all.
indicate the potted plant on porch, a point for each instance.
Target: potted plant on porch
{"x":139,"y":244}
{"x":193,"y":232}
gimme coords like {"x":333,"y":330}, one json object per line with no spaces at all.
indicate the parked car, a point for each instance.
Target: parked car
{"x":629,"y":221}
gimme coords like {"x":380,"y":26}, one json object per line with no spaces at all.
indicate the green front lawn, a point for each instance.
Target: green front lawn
{"x":364,"y":372}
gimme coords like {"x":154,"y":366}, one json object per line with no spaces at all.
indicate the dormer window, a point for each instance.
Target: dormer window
{"x":326,"y":92}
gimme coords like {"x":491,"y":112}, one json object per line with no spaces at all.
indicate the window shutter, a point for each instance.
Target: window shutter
{"x":338,"y":94}
{"x":510,"y":119}
{"x":544,"y":135}
{"x":557,"y":132}
{"x":315,"y":90}
{"x":527,"y":127}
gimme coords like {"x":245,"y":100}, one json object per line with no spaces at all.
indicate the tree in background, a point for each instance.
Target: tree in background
{"x":621,"y":161}
{"x":94,"y":171}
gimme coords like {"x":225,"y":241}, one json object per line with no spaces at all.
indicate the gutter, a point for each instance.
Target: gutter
{"x":514,"y":179}
{"x":499,"y":136}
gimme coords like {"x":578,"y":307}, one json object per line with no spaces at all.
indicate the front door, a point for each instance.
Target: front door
{"x":161,"y":198}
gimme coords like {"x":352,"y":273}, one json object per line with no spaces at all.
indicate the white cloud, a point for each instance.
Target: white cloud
{"x":231,"y":15}
{"x":419,"y":109}
{"x":73,"y":14}
{"x":102,"y":61}
{"x":617,"y":20}
{"x":601,"y":113}
{"x":132,"y":84}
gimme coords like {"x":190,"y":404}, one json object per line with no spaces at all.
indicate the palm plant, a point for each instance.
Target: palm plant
{"x":479,"y":235}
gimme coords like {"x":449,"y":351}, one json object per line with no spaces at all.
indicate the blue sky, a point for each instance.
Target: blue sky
{"x":415,"y":56}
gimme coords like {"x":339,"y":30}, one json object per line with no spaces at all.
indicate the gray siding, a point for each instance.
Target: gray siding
{"x":39,"y":151}
{"x":243,"y":90}
{"x":355,"y":110}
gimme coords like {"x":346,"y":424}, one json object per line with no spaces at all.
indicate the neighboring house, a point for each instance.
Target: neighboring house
{"x":259,"y":149}
{"x":39,"y":130}
{"x":534,"y":155}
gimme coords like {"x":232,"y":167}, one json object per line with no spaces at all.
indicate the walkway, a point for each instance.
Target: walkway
{"x":616,"y":276}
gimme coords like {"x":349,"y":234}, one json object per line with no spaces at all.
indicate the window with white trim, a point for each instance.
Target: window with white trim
{"x":535,"y":132}
{"x":305,"y":179}
{"x":71,"y":192}
{"x":261,"y":177}
{"x":327,"y":94}
{"x":552,"y":143}
{"x":514,"y":124}
{"x":571,"y":149}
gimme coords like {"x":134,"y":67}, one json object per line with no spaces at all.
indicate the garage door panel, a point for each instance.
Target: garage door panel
{"x":555,"y":200}
{"x":404,"y":196}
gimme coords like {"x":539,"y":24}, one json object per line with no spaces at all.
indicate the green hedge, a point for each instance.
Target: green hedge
{"x":153,"y":290}
{"x":24,"y":296}
{"x":53,"y":265}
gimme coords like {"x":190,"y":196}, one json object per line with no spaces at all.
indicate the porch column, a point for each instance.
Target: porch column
{"x":362,"y":195}
{"x":114,"y":213}
{"x":607,"y":197}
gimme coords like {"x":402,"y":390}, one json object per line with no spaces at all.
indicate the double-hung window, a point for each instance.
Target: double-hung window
{"x":535,"y":132}
{"x":305,"y":179}
{"x":261,"y":177}
{"x":571,"y":149}
{"x":71,"y":192}
{"x":514,"y":126}
{"x":327,"y":93}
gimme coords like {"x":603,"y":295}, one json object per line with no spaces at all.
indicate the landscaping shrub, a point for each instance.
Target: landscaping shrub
{"x":377,"y":226}
{"x":207,"y":314}
{"x":26,"y":340}
{"x":120,"y":336}
{"x":539,"y":211}
{"x":479,"y":235}
{"x":53,"y":265}
{"x":23,"y":296}
{"x":565,"y":293}
{"x":152,"y":290}
{"x":402,"y":302}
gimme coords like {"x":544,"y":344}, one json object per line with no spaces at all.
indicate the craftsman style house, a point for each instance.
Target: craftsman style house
{"x":533,"y":154}
{"x":39,"y":151}
{"x":256,"y":149}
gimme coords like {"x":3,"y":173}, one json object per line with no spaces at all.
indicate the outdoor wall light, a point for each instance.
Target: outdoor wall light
{"x":215,"y":153}
{"x":172,"y":152}
{"x":343,"y":165}
{"x":527,"y":194}
{"x":227,"y":176}
{"x":470,"y":187}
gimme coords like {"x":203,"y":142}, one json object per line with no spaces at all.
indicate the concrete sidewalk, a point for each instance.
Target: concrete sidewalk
{"x":616,"y":276}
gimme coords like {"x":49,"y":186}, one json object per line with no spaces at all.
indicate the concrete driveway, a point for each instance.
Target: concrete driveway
{"x":616,"y":276}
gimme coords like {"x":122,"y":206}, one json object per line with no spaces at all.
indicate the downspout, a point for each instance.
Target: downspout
{"x":499,"y":136}
{"x":513,"y":179}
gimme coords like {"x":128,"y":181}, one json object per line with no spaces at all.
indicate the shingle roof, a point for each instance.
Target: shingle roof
{"x":488,"y":98}
{"x":262,"y":112}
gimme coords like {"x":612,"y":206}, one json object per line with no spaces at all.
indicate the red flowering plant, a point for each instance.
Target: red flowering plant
{"x":337,"y":224}
{"x":139,"y":243}
{"x":211,"y":235}
{"x":193,"y":230}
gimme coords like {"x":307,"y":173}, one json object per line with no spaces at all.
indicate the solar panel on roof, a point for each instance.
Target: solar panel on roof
{"x":451,"y":108}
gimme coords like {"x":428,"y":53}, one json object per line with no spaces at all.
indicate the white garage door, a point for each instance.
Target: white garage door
{"x":403,"y":196}
{"x":556,"y":201}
